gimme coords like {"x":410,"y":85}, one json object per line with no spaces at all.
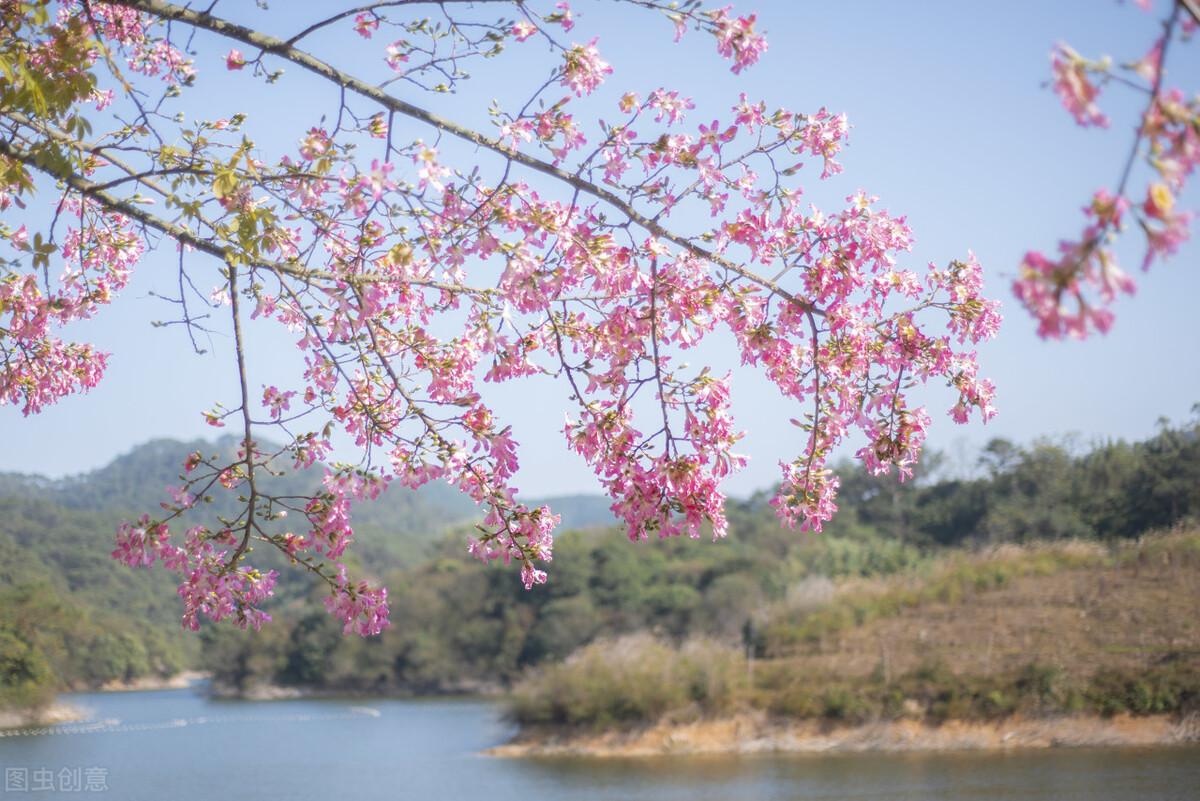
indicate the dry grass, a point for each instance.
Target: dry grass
{"x":1076,"y":606}
{"x":1016,"y":631}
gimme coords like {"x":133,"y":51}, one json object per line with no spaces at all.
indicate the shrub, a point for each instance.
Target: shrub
{"x":632,"y":680}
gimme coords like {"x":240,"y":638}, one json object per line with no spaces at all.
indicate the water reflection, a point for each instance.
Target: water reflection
{"x":1076,"y":775}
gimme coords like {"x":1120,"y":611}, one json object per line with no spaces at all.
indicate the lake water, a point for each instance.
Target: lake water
{"x":180,"y":746}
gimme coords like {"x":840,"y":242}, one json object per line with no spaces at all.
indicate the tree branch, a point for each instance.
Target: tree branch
{"x":187,"y":237}
{"x":281,"y":48}
{"x":1192,"y":7}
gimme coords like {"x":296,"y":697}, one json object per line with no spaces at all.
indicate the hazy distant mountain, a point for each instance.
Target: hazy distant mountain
{"x":392,"y":528}
{"x":580,"y":512}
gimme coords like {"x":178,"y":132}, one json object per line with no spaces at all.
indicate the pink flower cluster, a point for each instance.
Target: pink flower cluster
{"x":408,"y":283}
{"x":736,"y":38}
{"x":132,"y":32}
{"x":214,"y":581}
{"x":1074,"y":88}
{"x":583,"y":69}
{"x":1054,"y":290}
{"x":1071,"y":294}
{"x":362,"y":609}
{"x":210,"y":586}
{"x":807,"y":497}
{"x":37,"y":368}
{"x":524,"y":535}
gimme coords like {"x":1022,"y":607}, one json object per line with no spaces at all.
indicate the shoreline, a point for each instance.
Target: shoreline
{"x":58,"y":711}
{"x":263,"y":691}
{"x":52,"y":714}
{"x":755,"y":734}
{"x":179,"y":681}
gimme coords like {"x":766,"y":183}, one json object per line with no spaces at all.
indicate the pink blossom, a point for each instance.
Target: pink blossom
{"x":365,"y":24}
{"x":361,"y":608}
{"x":315,"y":145}
{"x":1077,"y":93}
{"x":19,"y":239}
{"x":1149,"y":65}
{"x":277,"y":402}
{"x":397,"y":55}
{"x":584,"y":70}
{"x":669,"y":105}
{"x":736,"y":38}
{"x":182,"y":498}
{"x":430,"y":173}
{"x":563,"y":16}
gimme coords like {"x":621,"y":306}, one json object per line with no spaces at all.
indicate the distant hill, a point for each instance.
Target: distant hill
{"x":134,"y":482}
{"x":393,"y":529}
{"x":580,"y":512}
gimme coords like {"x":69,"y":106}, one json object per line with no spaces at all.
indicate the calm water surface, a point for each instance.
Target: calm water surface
{"x":179,"y":746}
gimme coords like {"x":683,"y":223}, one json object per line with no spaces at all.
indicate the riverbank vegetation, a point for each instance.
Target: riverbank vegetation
{"x":1042,"y":630}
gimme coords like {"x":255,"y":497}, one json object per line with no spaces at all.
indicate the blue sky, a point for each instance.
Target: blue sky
{"x":953,"y":127}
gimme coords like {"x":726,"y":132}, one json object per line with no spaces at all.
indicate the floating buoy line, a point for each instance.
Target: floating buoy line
{"x":116,"y":725}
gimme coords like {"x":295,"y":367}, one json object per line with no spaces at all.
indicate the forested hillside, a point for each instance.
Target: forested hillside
{"x":459,"y":625}
{"x":71,"y":616}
